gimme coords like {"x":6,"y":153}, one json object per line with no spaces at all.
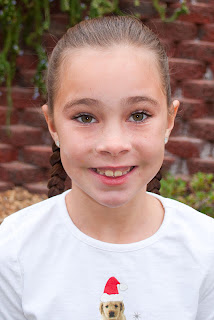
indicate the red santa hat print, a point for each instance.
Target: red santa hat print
{"x":111,"y":292}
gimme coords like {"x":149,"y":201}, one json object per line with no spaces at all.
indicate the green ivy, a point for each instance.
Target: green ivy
{"x":29,"y":19}
{"x":197,"y":192}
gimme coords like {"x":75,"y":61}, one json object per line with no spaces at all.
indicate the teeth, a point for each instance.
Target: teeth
{"x":110,"y":173}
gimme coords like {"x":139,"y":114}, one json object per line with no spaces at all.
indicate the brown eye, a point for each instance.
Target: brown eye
{"x":87,"y":118}
{"x":84,"y":118}
{"x":139,"y":116}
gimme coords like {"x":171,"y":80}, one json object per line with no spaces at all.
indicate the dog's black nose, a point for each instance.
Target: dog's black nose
{"x":111,"y":314}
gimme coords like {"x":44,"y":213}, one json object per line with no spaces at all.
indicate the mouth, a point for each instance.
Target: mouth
{"x":113,"y":173}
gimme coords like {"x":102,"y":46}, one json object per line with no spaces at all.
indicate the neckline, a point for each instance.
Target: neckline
{"x":107,"y":246}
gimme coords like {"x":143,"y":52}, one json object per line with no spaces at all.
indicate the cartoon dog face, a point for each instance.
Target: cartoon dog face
{"x":112,"y":310}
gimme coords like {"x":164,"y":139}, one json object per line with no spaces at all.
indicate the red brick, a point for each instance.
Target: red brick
{"x":184,"y":147}
{"x":207,"y":32}
{"x":3,"y":114}
{"x":192,"y":108}
{"x":200,"y":13}
{"x":178,"y":127}
{"x":21,"y":135}
{"x":4,"y":186}
{"x":38,"y":187}
{"x":22,"y":97}
{"x":169,"y":47}
{"x":168,"y":162}
{"x":7,"y":153}
{"x":59,"y":22}
{"x":38,"y":155}
{"x":203,"y":128}
{"x":25,"y":77}
{"x":195,"y":49}
{"x":27,"y":61}
{"x":182,"y":69}
{"x":49,"y":41}
{"x":198,"y":89}
{"x":34,"y":117}
{"x":200,"y":165}
{"x":145,"y":8}
{"x":176,"y":30}
{"x":18,"y":173}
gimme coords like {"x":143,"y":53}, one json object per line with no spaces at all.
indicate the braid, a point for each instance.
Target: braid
{"x":154,"y":185}
{"x":56,"y":184}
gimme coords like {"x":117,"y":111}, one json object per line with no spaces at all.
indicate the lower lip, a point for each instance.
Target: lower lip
{"x":111,"y":181}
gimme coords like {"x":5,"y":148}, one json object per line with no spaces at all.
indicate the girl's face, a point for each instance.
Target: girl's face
{"x":110,"y":111}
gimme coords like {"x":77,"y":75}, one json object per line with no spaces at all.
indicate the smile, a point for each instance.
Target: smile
{"x":110,"y":173}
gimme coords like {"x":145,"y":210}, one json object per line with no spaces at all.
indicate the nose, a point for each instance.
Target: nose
{"x":113,"y":140}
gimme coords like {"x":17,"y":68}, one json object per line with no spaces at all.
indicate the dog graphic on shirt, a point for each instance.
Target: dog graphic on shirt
{"x":111,"y":305}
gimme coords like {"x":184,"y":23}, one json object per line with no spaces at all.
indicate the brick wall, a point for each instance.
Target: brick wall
{"x":189,"y":41}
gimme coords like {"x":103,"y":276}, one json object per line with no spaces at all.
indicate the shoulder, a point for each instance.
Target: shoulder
{"x":194,"y":226}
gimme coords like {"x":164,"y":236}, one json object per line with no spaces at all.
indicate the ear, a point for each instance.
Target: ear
{"x":50,"y":123}
{"x":171,"y":117}
{"x":101,"y":308}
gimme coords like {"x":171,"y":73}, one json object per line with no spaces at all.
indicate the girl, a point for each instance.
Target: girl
{"x":107,"y":248}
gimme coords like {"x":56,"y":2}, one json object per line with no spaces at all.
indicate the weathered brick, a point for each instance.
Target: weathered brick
{"x":25,"y":77}
{"x":176,"y":30}
{"x":38,"y":155}
{"x":184,"y":147}
{"x":22,"y":97}
{"x":27,"y":61}
{"x":200,"y":13}
{"x":194,"y":49}
{"x":7,"y":153}
{"x":199,"y":89}
{"x":4,"y":186}
{"x":207,"y":32}
{"x":59,"y":23}
{"x":182,"y":69}
{"x":34,"y":117}
{"x":21,"y":135}
{"x":18,"y":173}
{"x":38,"y":187}
{"x":203,"y":128}
{"x":192,"y":108}
{"x":49,"y":41}
{"x":3,"y":115}
{"x":202,"y":165}
{"x":168,"y":162}
{"x":145,"y":8}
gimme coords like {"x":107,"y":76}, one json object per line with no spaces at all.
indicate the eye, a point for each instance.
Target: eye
{"x":86,"y":118}
{"x":140,"y":116}
{"x":106,"y":306}
{"x":116,"y":306}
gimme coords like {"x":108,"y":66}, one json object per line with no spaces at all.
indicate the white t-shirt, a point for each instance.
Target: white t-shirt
{"x":50,"y":270}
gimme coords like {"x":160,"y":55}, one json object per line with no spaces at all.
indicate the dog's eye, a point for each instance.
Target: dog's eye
{"x":116,"y":306}
{"x":106,"y":306}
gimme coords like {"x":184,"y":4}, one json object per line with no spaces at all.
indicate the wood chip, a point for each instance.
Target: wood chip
{"x":17,"y":199}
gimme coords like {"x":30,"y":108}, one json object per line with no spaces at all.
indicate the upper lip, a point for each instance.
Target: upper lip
{"x":114,"y":168}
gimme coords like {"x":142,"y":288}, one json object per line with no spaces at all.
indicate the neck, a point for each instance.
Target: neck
{"x":134,"y":221}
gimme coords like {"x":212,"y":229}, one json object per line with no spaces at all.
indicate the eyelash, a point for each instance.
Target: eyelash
{"x":88,"y":114}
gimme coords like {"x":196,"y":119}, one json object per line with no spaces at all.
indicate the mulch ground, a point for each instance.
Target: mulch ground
{"x":17,"y":199}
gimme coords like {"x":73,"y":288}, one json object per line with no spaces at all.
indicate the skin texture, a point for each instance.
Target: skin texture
{"x":114,"y":137}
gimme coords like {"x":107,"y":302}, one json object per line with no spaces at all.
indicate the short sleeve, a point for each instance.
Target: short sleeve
{"x":206,"y":301}
{"x":10,"y":275}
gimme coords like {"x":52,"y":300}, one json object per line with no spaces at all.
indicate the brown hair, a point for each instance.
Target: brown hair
{"x":102,"y":32}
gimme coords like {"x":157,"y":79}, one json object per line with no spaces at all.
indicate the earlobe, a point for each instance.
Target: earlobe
{"x":50,"y":122}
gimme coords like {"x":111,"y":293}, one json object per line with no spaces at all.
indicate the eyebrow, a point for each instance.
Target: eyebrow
{"x":96,"y":103}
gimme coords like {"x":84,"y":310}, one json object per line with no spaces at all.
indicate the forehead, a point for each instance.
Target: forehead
{"x":109,"y":71}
